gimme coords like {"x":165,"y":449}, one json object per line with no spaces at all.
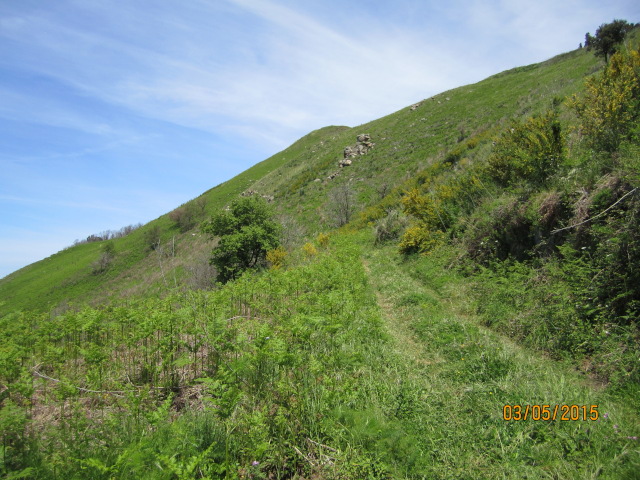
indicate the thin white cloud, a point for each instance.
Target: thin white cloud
{"x":300,"y":74}
{"x":260,"y":72}
{"x":84,"y":205}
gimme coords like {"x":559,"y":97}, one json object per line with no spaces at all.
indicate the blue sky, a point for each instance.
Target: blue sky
{"x":115,"y":112}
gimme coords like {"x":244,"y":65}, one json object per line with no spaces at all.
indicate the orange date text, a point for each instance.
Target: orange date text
{"x":564,"y":413}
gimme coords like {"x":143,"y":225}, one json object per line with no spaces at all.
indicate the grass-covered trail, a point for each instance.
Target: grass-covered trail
{"x":468,"y":373}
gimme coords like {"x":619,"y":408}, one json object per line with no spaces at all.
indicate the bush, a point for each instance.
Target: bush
{"x":420,"y":239}
{"x":609,"y":109}
{"x":309,"y":249}
{"x":183,"y":218}
{"x":108,"y":253}
{"x":276,"y":257}
{"x":530,"y":151}
{"x":152,"y":237}
{"x":247,"y":232}
{"x":390,"y":227}
{"x":322,"y":239}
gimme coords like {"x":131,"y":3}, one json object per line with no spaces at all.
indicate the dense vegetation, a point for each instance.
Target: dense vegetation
{"x":488,"y":257}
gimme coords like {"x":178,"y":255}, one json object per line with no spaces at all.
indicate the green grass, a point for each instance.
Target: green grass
{"x":405,"y":142}
{"x":352,"y":361}
{"x":468,"y":373}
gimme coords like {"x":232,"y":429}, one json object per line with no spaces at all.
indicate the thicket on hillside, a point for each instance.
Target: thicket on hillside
{"x":107,"y":254}
{"x":552,"y":241}
{"x":609,"y":110}
{"x":188,"y":215}
{"x":435,"y":203}
{"x":528,"y":151}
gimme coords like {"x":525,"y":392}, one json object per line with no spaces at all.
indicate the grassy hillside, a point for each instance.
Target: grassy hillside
{"x":67,"y":276}
{"x":476,"y":316}
{"x":405,"y":142}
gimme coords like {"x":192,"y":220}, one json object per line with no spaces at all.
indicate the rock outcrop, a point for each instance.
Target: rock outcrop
{"x":363,"y":145}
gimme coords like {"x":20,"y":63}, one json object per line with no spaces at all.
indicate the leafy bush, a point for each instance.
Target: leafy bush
{"x":276,"y":257}
{"x":247,"y":232}
{"x":309,"y":249}
{"x":322,"y":239}
{"x":420,"y":239}
{"x":609,"y":109}
{"x":152,"y":237}
{"x":530,"y":151}
{"x":184,"y":217}
{"x":108,"y":253}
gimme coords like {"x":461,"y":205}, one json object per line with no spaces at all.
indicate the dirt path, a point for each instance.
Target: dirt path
{"x":397,"y":323}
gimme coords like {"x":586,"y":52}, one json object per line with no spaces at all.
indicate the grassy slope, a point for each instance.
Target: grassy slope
{"x":468,"y":373}
{"x":308,"y":374}
{"x":404,"y":142}
{"x":353,"y":363}
{"x":66,"y":276}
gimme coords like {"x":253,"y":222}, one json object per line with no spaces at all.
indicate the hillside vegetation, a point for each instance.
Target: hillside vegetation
{"x":460,"y":299}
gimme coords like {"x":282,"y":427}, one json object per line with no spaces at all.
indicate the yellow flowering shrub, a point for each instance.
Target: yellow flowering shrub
{"x":309,"y":249}
{"x":528,"y":150}
{"x":609,"y":108}
{"x":276,"y":257}
{"x":322,"y":239}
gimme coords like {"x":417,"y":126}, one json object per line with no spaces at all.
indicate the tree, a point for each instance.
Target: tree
{"x":607,"y":38}
{"x":246,"y":233}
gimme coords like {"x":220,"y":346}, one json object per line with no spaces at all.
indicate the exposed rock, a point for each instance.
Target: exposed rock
{"x":415,"y":106}
{"x":332,"y":176}
{"x":349,"y":152}
{"x":317,"y":180}
{"x":363,"y":145}
{"x":250,"y":193}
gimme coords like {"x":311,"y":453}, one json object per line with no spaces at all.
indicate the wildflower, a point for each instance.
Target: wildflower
{"x":615,"y":427}
{"x":606,"y":415}
{"x":633,"y":438}
{"x":255,"y":463}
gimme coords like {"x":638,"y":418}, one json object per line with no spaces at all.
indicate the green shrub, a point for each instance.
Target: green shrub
{"x":528,"y":151}
{"x":247,"y":232}
{"x":609,"y":109}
